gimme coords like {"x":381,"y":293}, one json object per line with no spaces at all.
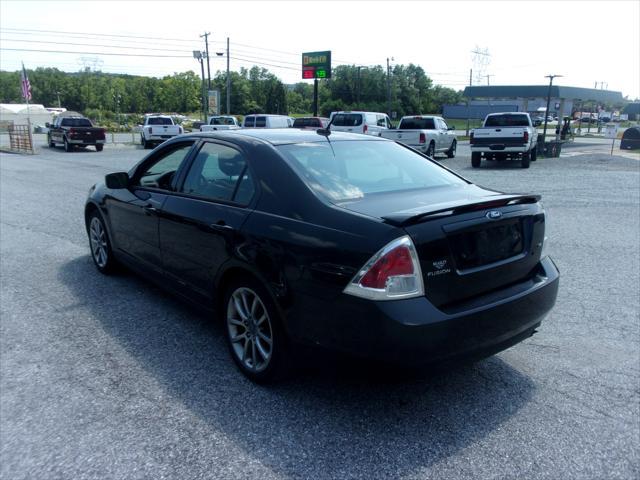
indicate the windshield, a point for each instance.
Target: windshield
{"x":349,"y":170}
{"x":75,"y":122}
{"x":160,"y":121}
{"x":417,"y":124}
{"x":507,"y":121}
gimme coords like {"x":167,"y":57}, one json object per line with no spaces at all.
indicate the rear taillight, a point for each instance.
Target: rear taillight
{"x":102,"y":133}
{"x":392,"y":273}
{"x":364,"y":130}
{"x":526,"y":137}
{"x":423,"y":138}
{"x":471,"y":137}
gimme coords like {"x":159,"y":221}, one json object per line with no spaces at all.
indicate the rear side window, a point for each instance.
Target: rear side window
{"x":347,"y":119}
{"x":300,"y":122}
{"x":343,"y":171}
{"x":417,"y":124}
{"x":261,"y":122}
{"x":217,"y":173}
{"x":249,"y":121}
{"x":507,"y":121}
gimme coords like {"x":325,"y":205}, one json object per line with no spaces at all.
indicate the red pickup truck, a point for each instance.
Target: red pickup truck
{"x":74,"y":130}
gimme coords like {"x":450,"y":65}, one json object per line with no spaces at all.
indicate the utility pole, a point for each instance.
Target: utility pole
{"x":315,"y":97}
{"x":58,"y":95}
{"x":206,"y":45}
{"x":488,"y":77}
{"x":228,"y":82}
{"x":198,"y":56}
{"x":546,"y":115}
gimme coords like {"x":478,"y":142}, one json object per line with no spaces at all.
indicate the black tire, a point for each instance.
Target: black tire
{"x":99,"y":147}
{"x":526,"y":157}
{"x":475,"y":159}
{"x":101,"y":254}
{"x":146,"y":145}
{"x":51,"y":143}
{"x":67,"y":146}
{"x":534,"y":155}
{"x":431,"y":151}
{"x":246,"y":338}
{"x":451,"y":153}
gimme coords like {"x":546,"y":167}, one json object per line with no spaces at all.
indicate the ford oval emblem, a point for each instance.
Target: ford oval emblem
{"x":493,"y":214}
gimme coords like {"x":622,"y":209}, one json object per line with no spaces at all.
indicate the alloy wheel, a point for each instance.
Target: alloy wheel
{"x":249,"y":329}
{"x":98,"y":239}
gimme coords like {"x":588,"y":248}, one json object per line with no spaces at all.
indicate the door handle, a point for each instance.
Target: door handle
{"x":150,"y":210}
{"x":221,"y":226}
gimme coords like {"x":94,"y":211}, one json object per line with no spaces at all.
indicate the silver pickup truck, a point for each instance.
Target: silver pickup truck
{"x":220,"y":122}
{"x":428,"y":134}
{"x":509,"y":135}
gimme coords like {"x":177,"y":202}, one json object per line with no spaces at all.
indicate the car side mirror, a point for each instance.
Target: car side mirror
{"x":451,"y":128}
{"x":117,"y":180}
{"x":48,"y":125}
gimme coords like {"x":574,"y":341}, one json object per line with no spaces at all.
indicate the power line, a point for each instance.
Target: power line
{"x":94,"y":45}
{"x":94,"y":53}
{"x":97,"y":34}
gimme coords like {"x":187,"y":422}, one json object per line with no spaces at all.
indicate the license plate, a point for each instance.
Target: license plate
{"x":489,"y":245}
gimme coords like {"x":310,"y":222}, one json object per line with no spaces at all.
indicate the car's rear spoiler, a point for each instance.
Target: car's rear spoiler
{"x":408,"y":217}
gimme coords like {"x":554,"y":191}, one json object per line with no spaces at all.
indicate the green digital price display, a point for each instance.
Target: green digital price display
{"x":316,"y":65}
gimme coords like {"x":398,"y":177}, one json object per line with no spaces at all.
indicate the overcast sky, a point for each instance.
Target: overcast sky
{"x":586,"y":41}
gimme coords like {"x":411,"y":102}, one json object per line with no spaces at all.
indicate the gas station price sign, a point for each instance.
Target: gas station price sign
{"x":316,"y":65}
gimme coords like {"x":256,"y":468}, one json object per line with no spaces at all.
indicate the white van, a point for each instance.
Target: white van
{"x":265,"y":121}
{"x":368,"y":123}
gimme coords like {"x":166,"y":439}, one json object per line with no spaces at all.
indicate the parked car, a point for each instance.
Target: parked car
{"x":368,"y":123}
{"x":266,"y":121}
{"x":630,"y":139}
{"x":220,"y":122}
{"x":503,"y":136}
{"x":428,"y":134}
{"x":349,"y":242}
{"x":310,"y":122}
{"x":537,"y":121}
{"x":158,"y":129}
{"x":72,"y":129}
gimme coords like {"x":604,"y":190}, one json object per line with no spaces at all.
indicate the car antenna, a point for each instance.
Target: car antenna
{"x":326,"y":131}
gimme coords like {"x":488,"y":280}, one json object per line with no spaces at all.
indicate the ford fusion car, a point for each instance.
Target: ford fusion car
{"x":349,"y":242}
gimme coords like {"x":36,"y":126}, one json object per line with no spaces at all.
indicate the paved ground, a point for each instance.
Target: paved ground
{"x":108,"y":377}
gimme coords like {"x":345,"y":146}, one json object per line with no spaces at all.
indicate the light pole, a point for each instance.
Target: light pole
{"x":198,"y":55}
{"x":58,"y":95}
{"x":220,"y":54}
{"x":388,"y":89}
{"x":546,"y":115}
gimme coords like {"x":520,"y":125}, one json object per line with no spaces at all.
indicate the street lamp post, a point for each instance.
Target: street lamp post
{"x":546,"y":115}
{"x":198,"y":55}
{"x":220,"y":54}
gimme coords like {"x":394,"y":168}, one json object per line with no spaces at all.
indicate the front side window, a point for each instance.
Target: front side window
{"x":160,"y":173}
{"x":382,"y":121}
{"x":249,"y":121}
{"x":349,"y":170}
{"x":219,"y":173}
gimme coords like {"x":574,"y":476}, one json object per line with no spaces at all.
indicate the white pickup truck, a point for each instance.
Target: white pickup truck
{"x":157,"y":129}
{"x":427,"y":134}
{"x":220,"y":122}
{"x":509,"y":135}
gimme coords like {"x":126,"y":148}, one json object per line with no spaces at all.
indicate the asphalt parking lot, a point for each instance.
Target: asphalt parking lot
{"x":109,"y":377}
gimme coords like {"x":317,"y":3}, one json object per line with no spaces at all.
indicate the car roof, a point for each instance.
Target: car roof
{"x":282,"y":136}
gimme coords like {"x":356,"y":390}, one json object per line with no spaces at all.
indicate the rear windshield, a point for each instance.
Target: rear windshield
{"x":76,"y":122}
{"x":349,"y":170}
{"x":307,"y":122}
{"x":417,"y":124}
{"x":631,"y":133}
{"x":221,"y":121}
{"x":159,"y":121}
{"x":347,"y":119}
{"x":507,"y":121}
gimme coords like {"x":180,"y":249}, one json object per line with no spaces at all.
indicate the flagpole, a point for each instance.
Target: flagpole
{"x":27,"y":92}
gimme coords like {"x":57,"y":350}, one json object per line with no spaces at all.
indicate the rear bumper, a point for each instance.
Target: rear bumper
{"x":82,"y":141}
{"x":413,"y":332}
{"x":499,"y":148}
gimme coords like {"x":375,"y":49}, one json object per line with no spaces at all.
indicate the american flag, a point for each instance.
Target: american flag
{"x":26,"y":86}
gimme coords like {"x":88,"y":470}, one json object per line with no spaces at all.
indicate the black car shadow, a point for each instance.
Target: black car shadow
{"x":338,"y":419}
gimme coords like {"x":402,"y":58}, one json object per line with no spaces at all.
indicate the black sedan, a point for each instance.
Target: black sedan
{"x":345,"y":241}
